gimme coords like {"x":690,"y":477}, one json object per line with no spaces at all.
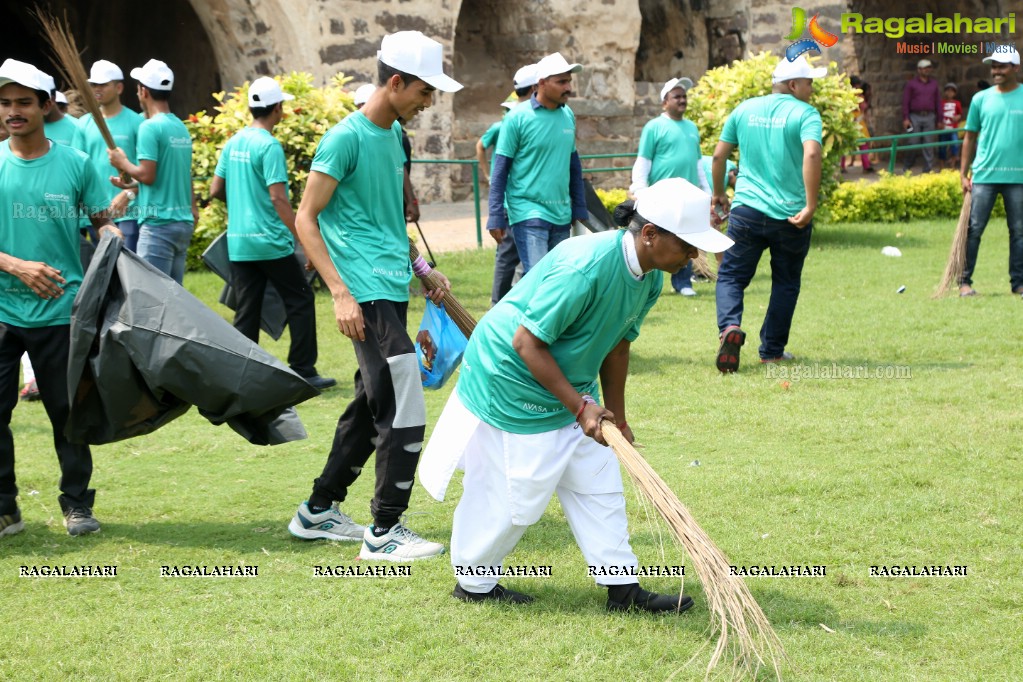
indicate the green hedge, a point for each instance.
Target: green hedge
{"x":891,"y":198}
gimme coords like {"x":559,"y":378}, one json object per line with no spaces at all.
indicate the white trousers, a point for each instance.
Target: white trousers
{"x":509,"y":481}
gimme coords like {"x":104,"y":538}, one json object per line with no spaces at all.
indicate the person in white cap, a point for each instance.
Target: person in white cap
{"x":166,"y":202}
{"x":536,"y":187}
{"x":921,"y":112}
{"x":61,"y":99}
{"x":506,"y":259}
{"x":991,"y":165}
{"x":524,"y":418}
{"x":43,"y":187}
{"x":107,"y":82}
{"x":669,"y":147}
{"x":779,"y":138}
{"x":252,"y":178}
{"x":351,"y":224}
{"x":59,"y":127}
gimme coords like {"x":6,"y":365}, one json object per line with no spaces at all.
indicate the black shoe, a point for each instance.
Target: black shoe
{"x":80,"y":521}
{"x":499,"y":594}
{"x":634,"y":597}
{"x":320,"y":383}
{"x":11,"y":523}
{"x":732,"y":339}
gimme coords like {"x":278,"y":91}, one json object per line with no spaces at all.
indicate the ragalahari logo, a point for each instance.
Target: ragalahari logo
{"x":818,"y":36}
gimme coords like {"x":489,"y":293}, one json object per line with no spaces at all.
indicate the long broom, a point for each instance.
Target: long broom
{"x":733,"y":609}
{"x":957,"y":254}
{"x":69,"y":64}
{"x":702,"y":268}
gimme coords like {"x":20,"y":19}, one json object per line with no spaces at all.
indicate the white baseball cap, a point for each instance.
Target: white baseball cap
{"x":800,"y":68}
{"x":362,"y":94}
{"x":51,"y":85}
{"x":682,"y":208}
{"x":1003,"y":57}
{"x":155,"y":75}
{"x":103,"y":71}
{"x":509,"y":104}
{"x":61,"y":98}
{"x":23,"y":73}
{"x":525,"y":77}
{"x":265,"y":92}
{"x":554,"y":64}
{"x":923,"y":64}
{"x":415,"y":54}
{"x":683,"y":83}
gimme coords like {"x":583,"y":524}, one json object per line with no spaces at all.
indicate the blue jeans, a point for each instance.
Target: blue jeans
{"x":753,"y":233}
{"x":980,"y":211}
{"x":683,"y":278}
{"x":533,"y":242}
{"x":165,"y":247}
{"x":130,"y":230}
{"x":505,"y":261}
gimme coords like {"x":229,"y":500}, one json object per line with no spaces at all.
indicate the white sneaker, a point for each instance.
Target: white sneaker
{"x":687,"y":291}
{"x":328,"y":525}
{"x":398,"y":544}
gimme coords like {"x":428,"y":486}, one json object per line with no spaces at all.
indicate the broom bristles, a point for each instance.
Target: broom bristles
{"x":733,"y":609}
{"x":702,"y":268}
{"x":956,"y":264}
{"x":461,"y":317}
{"x":69,"y":65}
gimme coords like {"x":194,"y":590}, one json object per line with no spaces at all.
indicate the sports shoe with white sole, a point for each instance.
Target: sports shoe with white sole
{"x":80,"y":521}
{"x":328,"y":525}
{"x":398,"y":544}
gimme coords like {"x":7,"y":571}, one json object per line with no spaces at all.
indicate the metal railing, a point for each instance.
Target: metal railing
{"x":895,"y":146}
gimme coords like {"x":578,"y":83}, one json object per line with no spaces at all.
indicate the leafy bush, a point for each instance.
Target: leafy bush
{"x":306,"y":119}
{"x":720,"y":90}
{"x":896,"y":198}
{"x":611,"y":198}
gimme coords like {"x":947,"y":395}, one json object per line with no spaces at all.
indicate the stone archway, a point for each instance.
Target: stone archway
{"x":128,"y":34}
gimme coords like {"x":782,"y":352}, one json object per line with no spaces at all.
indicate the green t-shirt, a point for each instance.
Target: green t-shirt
{"x":997,"y":119}
{"x":250,"y":162}
{"x":165,"y":140}
{"x":540,"y":142}
{"x":62,"y":131}
{"x":673,"y":148}
{"x":770,"y":132}
{"x":124,"y":129}
{"x":42,"y":198}
{"x":582,"y":301}
{"x":363,"y":224}
{"x":707,"y":172}
{"x":489,"y":139}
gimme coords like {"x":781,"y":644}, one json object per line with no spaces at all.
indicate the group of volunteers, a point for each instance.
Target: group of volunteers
{"x":544,"y":367}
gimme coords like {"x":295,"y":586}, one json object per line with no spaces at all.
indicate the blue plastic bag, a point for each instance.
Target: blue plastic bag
{"x":439,"y":346}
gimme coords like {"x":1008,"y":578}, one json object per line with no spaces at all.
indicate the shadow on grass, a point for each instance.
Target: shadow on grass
{"x":853,"y":236}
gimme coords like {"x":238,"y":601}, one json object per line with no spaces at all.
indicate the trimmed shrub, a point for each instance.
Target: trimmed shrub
{"x":897,"y":198}
{"x":611,"y":198}
{"x":306,"y":119}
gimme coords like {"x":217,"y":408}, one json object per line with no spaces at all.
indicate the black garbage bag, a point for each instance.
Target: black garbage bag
{"x":143,"y":350}
{"x":599,"y":219}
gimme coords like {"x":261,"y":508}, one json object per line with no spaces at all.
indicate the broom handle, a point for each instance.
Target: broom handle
{"x":461,"y":317}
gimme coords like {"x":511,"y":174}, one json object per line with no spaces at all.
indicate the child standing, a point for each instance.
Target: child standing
{"x":952,"y":113}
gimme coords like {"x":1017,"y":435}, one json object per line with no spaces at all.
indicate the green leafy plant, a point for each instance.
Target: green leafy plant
{"x":722,"y":89}
{"x":611,"y":198}
{"x":306,"y":118}
{"x":897,"y":198}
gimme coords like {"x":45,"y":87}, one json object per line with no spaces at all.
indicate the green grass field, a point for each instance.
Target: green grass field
{"x":918,"y":465}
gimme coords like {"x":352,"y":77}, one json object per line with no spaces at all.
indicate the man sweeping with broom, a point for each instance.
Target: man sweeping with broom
{"x":525,"y":418}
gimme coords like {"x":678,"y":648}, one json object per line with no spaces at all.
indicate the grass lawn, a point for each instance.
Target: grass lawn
{"x":916,"y":464}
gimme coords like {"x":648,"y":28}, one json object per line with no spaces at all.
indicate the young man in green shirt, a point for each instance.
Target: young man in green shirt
{"x":352,"y":226}
{"x":43,"y":186}
{"x":779,"y":137}
{"x":524,"y":419}
{"x":506,"y":259}
{"x":252,"y":177}
{"x":992,"y":149}
{"x":107,"y":81}
{"x":669,"y":147}
{"x":536,"y":188}
{"x":163,"y":174}
{"x":59,"y":127}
